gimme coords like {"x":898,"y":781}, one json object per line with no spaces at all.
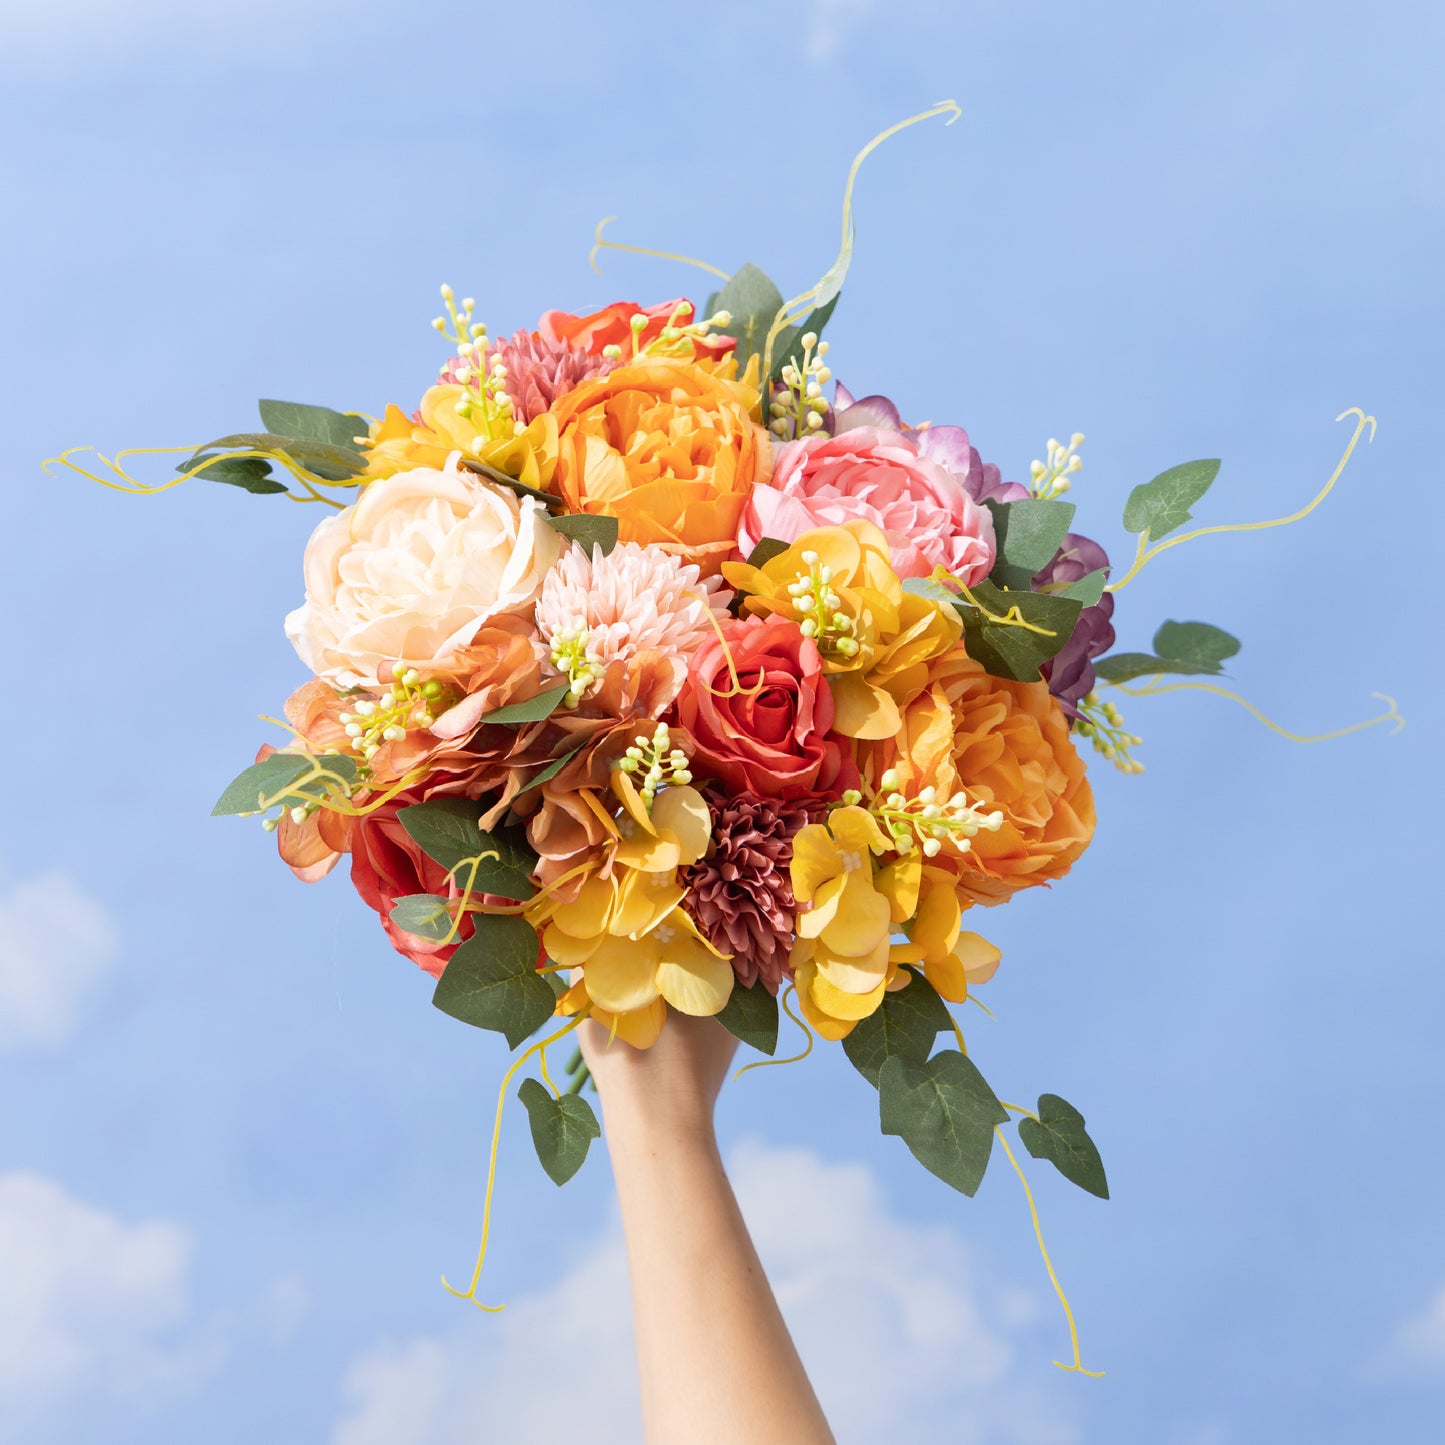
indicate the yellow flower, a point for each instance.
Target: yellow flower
{"x":952,"y":958}
{"x":875,"y":639}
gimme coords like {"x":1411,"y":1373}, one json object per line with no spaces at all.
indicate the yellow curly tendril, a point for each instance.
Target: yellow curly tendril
{"x":599,"y":244}
{"x":737,"y":689}
{"x":121,"y":481}
{"x":796,"y":1058}
{"x":831,"y":282}
{"x":471,"y":1290}
{"x":471,"y":865}
{"x":1077,"y":1367}
{"x":1154,"y":687}
{"x":1145,"y":553}
{"x":1012,"y":618}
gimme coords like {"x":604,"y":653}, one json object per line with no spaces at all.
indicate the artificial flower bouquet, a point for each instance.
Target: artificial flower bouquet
{"x":653,"y":669}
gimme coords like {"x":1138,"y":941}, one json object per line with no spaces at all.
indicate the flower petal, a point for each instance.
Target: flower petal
{"x":861,"y":920}
{"x":837,"y":1004}
{"x":683,"y":812}
{"x":622,"y":974}
{"x":692,"y":979}
{"x":815,"y":860}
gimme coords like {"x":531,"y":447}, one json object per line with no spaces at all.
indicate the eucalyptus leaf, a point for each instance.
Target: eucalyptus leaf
{"x":944,"y":1111}
{"x":588,"y":530}
{"x":448,"y":832}
{"x":766,"y":550}
{"x":1007,"y":650}
{"x":753,"y":301}
{"x":562,"y":1129}
{"x":751,"y":1014}
{"x":252,"y":474}
{"x":493,"y":474}
{"x":1059,"y":1136}
{"x":491,"y":981}
{"x":312,"y":423}
{"x":1027,"y":534}
{"x":1161,"y":505}
{"x":905,"y":1026}
{"x":424,"y":914}
{"x":325,"y":460}
{"x":549,"y":772}
{"x":1126,"y":666}
{"x":534,"y":709}
{"x":1088,"y":589}
{"x":247,"y":792}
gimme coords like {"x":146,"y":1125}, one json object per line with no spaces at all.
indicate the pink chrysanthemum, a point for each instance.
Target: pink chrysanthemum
{"x":637,"y":607}
{"x":538,"y":370}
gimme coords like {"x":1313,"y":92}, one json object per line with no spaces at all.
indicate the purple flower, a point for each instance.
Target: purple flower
{"x":1070,"y":672}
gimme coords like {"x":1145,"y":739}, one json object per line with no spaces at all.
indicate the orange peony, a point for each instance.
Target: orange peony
{"x":668,"y":448}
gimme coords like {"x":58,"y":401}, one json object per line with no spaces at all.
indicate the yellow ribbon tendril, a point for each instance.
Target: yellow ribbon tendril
{"x":1012,"y":618}
{"x":1019,"y":1109}
{"x":797,"y":1058}
{"x":598,"y":244}
{"x":974,"y":999}
{"x":1146,"y":553}
{"x":471,"y":1290}
{"x":1077,"y":1367}
{"x":1155,"y":688}
{"x":546,"y":1077}
{"x":958,"y":1034}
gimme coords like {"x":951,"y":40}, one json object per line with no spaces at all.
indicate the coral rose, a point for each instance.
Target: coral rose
{"x":669,"y":449}
{"x":874,"y":475}
{"x":414,"y":570}
{"x":612,"y":326}
{"x":767,"y":732}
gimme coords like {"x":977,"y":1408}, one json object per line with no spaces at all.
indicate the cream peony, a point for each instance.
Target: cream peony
{"x":411,"y":572}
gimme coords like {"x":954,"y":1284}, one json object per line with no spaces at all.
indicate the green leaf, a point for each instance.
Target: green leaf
{"x":588,"y":530}
{"x":247,"y":791}
{"x":492,"y":474}
{"x":1012,"y":651}
{"x":492,"y":981}
{"x":322,"y":459}
{"x":1027,"y":535}
{"x":1195,"y":642}
{"x":944,"y":1111}
{"x":1161,"y":505}
{"x":424,"y":914}
{"x":934,"y":591}
{"x":1087,"y":590}
{"x":1060,"y":1137}
{"x":253,"y":474}
{"x":447,"y":831}
{"x":751,"y":1014}
{"x":533,"y":710}
{"x":903,"y":1026}
{"x":312,"y":423}
{"x":1126,"y":666}
{"x":789,"y":345}
{"x":550,"y":771}
{"x":753,"y":302}
{"x":766,"y":550}
{"x":562,"y":1129}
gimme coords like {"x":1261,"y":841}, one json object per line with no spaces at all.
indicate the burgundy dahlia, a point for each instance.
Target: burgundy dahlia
{"x":740,"y":895}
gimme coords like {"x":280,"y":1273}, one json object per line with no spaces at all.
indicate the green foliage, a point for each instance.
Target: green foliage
{"x":1186,"y":649}
{"x":944,"y":1111}
{"x":448,"y":832}
{"x":312,"y":423}
{"x":1007,"y":650}
{"x":588,"y":530}
{"x":424,"y":914}
{"x":753,"y":302}
{"x":250,"y":791}
{"x":1159,"y":506}
{"x":1088,"y":589}
{"x":326,"y":460}
{"x":534,"y":709}
{"x":1059,"y":1136}
{"x":501,"y":479}
{"x":904,"y":1026}
{"x":1027,"y":534}
{"x":550,"y":771}
{"x":751,"y":1014}
{"x":252,"y":474}
{"x":491,"y":981}
{"x":766,"y":550}
{"x":562,"y":1129}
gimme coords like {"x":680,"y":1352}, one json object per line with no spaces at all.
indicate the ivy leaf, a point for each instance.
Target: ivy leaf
{"x":903,"y":1026}
{"x":424,"y":914}
{"x":550,"y":771}
{"x":751,"y":1014}
{"x":252,"y":474}
{"x":753,"y":302}
{"x":447,"y":831}
{"x":588,"y":530}
{"x":562,"y":1129}
{"x":1088,"y":589}
{"x":246,"y":793}
{"x":312,"y":423}
{"x":326,"y":460}
{"x":1027,"y":535}
{"x":1059,"y":1136}
{"x":1161,"y":505}
{"x":1126,"y":666}
{"x":766,"y":550}
{"x":534,"y":709}
{"x":492,"y":981}
{"x":1011,"y":651}
{"x":789,"y":345}
{"x":1196,"y":643}
{"x":944,"y":1111}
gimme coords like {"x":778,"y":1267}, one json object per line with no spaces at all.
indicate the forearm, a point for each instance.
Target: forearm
{"x":716,"y":1362}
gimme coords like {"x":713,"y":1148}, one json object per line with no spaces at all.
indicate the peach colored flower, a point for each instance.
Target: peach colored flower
{"x":872,"y":475}
{"x":612,"y":326}
{"x":414,"y":570}
{"x":669,"y":448}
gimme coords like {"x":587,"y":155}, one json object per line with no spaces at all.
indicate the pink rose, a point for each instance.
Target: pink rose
{"x":879,"y":476}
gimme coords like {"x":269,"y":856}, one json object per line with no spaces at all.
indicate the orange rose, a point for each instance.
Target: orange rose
{"x":612,"y":326}
{"x":669,"y":449}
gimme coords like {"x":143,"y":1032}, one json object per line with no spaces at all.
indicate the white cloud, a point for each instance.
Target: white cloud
{"x":855,"y":1281}
{"x":56,"y":943}
{"x":94,"y":1311}
{"x":832,"y":22}
{"x":1417,"y":1348}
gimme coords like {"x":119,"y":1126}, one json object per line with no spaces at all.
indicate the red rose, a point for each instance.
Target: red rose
{"x":612,"y":326}
{"x":767,"y":733}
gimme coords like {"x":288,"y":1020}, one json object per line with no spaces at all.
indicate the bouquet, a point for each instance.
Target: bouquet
{"x":653,"y":669}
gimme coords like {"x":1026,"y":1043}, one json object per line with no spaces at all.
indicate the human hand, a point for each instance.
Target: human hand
{"x":672,"y":1085}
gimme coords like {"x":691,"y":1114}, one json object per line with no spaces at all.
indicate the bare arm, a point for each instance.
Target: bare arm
{"x":715,"y":1360}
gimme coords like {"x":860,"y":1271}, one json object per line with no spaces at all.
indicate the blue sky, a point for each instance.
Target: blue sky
{"x":237,"y":1145}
